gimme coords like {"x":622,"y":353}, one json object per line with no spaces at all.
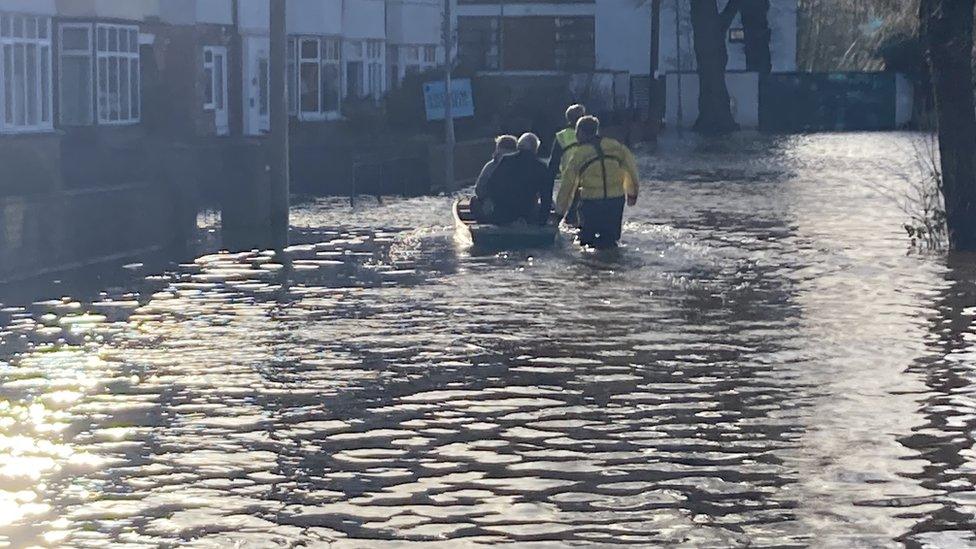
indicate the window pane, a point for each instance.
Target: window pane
{"x":330,"y":87}
{"x":73,"y":38}
{"x":8,"y":83}
{"x":102,"y":39}
{"x":113,"y":88}
{"x":20,"y":113}
{"x":208,"y":86}
{"x":354,"y":79}
{"x":263,"y":86}
{"x":42,"y":25}
{"x":113,"y":39}
{"x":31,"y":83}
{"x":103,"y":89}
{"x":207,"y":56}
{"x":219,"y":80}
{"x":18,"y":27}
{"x":124,"y":89}
{"x":134,"y":79}
{"x":4,"y":26}
{"x":45,"y":84}
{"x":310,"y":49}
{"x":292,"y":87}
{"x":30,"y":27}
{"x":134,"y":41}
{"x":76,"y":91}
{"x":310,"y":87}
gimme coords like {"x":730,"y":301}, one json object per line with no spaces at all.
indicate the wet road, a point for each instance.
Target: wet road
{"x":765,"y":363}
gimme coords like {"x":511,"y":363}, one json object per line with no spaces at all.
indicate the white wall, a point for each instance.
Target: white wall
{"x":364,"y":19}
{"x":132,"y":10}
{"x":782,"y":43}
{"x":414,"y":21}
{"x":743,"y":90}
{"x":623,"y":36}
{"x":516,"y":9}
{"x":323,"y":17}
{"x":40,"y":7}
{"x":254,"y":16}
{"x":218,"y":12}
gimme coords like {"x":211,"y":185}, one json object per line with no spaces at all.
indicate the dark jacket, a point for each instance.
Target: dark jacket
{"x":521,"y":188}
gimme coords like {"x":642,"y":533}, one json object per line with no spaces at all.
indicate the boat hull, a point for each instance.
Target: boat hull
{"x":486,"y":236}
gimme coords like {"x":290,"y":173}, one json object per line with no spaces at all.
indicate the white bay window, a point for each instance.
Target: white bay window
{"x":100,"y":74}
{"x":314,"y":78}
{"x":25,"y":73}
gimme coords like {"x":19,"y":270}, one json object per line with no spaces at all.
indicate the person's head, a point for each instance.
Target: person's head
{"x":529,"y":142}
{"x":505,"y":144}
{"x":587,"y":128}
{"x":574,"y":113}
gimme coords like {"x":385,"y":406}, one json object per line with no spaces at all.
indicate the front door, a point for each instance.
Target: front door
{"x":257,"y":83}
{"x":215,"y":65}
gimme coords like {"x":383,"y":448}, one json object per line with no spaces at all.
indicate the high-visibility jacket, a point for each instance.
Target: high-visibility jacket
{"x":602,"y":169}
{"x":564,"y":142}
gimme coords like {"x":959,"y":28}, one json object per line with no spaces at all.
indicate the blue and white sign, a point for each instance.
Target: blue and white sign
{"x":462,"y":99}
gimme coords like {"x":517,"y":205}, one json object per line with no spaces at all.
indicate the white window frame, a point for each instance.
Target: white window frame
{"x":216,"y":85}
{"x":87,"y":53}
{"x":42,"y":101}
{"x":375,"y":68}
{"x":329,"y":53}
{"x":104,"y":118}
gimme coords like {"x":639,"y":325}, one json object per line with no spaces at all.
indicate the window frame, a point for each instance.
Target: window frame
{"x":87,"y":54}
{"x":330,"y":52}
{"x":43,"y":102}
{"x":129,"y":56}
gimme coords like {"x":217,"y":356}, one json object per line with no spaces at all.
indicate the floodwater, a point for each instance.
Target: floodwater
{"x":765,"y":363}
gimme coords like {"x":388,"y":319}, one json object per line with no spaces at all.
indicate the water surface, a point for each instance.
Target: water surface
{"x":764,"y":363}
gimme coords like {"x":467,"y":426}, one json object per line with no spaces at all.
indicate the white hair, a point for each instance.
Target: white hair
{"x":529,"y":142}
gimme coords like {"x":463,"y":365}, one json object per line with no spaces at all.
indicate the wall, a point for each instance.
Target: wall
{"x":315,"y":17}
{"x":783,"y":26}
{"x":743,"y":90}
{"x":515,"y":9}
{"x":364,"y":19}
{"x":190,"y":12}
{"x":253,"y":16}
{"x":623,"y":36}
{"x":414,"y":22}
{"x":132,"y":10}
{"x":42,"y":7}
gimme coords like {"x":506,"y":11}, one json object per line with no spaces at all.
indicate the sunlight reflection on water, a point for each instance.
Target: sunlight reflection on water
{"x":763,"y":364}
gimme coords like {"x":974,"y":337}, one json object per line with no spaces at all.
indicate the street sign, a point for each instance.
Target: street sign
{"x":463,"y":99}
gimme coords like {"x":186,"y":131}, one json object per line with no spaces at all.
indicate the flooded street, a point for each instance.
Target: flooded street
{"x":764,"y":363}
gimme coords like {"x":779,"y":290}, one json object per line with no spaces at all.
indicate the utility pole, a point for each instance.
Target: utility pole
{"x":279,"y":126}
{"x":677,"y":53}
{"x":449,"y":139}
{"x":652,"y":100}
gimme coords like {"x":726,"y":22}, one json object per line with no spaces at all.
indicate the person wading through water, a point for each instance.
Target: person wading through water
{"x":604,"y":173}
{"x":564,"y":142}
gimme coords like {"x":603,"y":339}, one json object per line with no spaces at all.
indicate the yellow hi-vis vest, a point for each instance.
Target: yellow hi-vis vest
{"x":605,"y":169}
{"x":566,"y":138}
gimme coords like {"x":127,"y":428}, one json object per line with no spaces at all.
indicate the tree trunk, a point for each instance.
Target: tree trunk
{"x":755,"y":24}
{"x":947,"y":27}
{"x":710,"y":27}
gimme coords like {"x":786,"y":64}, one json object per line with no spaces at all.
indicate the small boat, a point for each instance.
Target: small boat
{"x":500,"y":237}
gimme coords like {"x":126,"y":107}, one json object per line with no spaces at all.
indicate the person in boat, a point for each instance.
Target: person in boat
{"x":564,"y":142}
{"x":604,"y":173}
{"x":481,"y":205}
{"x":521,"y":186}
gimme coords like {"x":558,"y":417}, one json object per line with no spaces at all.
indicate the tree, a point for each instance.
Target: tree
{"x":710,"y":27}
{"x":947,"y":30}
{"x":755,"y":26}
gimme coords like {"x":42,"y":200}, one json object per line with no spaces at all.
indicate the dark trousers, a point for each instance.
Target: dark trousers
{"x":600,"y":222}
